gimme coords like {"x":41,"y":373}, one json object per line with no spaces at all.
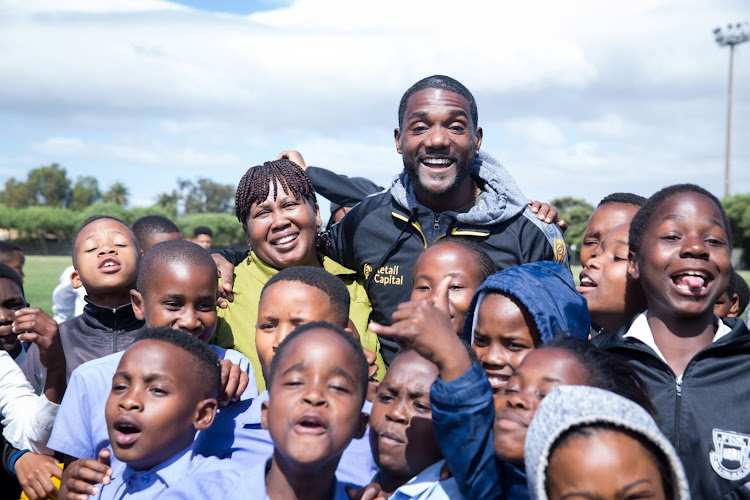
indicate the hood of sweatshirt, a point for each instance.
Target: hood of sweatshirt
{"x":567,"y":407}
{"x":546,"y":290}
{"x":501,"y":198}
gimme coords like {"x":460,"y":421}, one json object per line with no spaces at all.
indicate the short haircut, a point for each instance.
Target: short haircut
{"x":147,"y":226}
{"x":171,"y":251}
{"x":7,"y":248}
{"x":361,"y":368}
{"x":206,"y":366}
{"x":9,"y":273}
{"x":644,"y":215}
{"x":606,"y":371}
{"x":255,"y":185}
{"x":95,"y":218}
{"x":439,"y":82}
{"x":623,"y":198}
{"x":203,"y":230}
{"x":738,"y":285}
{"x":487,"y":266}
{"x":338,"y":295}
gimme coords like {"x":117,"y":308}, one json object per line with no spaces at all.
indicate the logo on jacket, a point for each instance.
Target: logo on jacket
{"x":731,"y":456}
{"x":386,"y":275}
{"x":560,"y":250}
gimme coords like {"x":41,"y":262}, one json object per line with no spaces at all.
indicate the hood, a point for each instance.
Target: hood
{"x":566,"y":407}
{"x":546,"y":290}
{"x":501,"y":198}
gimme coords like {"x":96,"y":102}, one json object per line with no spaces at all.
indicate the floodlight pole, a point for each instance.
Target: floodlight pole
{"x":735,"y":35}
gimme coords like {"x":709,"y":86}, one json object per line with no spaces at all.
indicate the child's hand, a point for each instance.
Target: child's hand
{"x":428,"y":329}
{"x":370,"y":492}
{"x":34,"y":473}
{"x":80,"y":477}
{"x":234,"y":381}
{"x":35,"y":325}
{"x":226,"y":273}
{"x":547,"y":213}
{"x":294,"y":156}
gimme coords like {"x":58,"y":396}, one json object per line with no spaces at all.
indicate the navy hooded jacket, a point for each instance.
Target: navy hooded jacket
{"x":463,"y":410}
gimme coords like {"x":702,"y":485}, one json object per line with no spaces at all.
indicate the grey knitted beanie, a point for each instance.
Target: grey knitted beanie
{"x":571,"y":406}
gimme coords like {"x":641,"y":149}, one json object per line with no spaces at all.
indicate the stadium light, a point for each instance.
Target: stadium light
{"x":735,"y":34}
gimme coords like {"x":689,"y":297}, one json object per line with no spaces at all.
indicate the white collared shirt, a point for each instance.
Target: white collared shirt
{"x":640,"y":330}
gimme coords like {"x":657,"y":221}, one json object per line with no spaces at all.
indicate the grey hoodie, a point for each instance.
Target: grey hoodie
{"x":502,"y":199}
{"x":571,"y":406}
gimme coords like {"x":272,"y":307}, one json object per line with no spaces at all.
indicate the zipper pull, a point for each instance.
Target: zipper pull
{"x":437,"y":222}
{"x":678,"y":383}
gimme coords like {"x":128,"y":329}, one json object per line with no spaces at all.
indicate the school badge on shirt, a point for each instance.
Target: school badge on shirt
{"x":730,"y":458}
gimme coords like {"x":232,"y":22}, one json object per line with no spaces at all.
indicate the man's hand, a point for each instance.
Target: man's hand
{"x":428,"y":329}
{"x":234,"y":381}
{"x":547,"y":213}
{"x":35,"y":325}
{"x":34,"y":473}
{"x":80,"y":478}
{"x":294,"y":156}
{"x":226,"y":273}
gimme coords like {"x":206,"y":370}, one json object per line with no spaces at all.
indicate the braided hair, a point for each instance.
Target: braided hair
{"x":255,"y":185}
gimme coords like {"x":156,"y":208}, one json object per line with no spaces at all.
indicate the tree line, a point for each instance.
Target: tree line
{"x":49,"y":204}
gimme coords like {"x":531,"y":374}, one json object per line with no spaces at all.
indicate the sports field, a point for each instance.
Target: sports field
{"x":43,"y":274}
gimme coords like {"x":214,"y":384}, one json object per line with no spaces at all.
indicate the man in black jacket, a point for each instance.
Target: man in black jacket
{"x":447,"y":187}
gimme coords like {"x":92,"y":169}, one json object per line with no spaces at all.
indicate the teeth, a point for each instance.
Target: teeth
{"x":437,"y":161}
{"x":285,"y":239}
{"x":586,"y":281}
{"x":494,"y":381}
{"x":109,"y":264}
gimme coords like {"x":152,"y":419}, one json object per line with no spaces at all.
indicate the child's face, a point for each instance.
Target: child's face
{"x":503,"y":336}
{"x":726,"y":308}
{"x":315,"y":401}
{"x":542,"y":370}
{"x":180,"y":296}
{"x":683,"y":263}
{"x":11,"y":300}
{"x":437,"y":263}
{"x":156,"y":404}
{"x":282,"y":232}
{"x":609,"y":292}
{"x":602,"y":221}
{"x":401,"y":435}
{"x":105,"y":257}
{"x":152,"y":239}
{"x":15,"y":261}
{"x":607,"y":465}
{"x":284,"y":306}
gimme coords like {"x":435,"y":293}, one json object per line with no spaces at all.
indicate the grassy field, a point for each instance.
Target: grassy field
{"x":43,"y":274}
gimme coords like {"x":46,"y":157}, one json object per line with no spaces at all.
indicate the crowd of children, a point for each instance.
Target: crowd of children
{"x":186,"y":377}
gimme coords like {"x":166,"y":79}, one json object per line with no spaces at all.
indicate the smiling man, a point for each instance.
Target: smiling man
{"x":447,"y":187}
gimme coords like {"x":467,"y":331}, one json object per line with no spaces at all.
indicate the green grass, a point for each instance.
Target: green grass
{"x":42,"y":276}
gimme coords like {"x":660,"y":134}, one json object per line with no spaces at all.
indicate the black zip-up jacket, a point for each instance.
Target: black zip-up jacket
{"x":706,"y":415}
{"x":381,"y":240}
{"x":97,"y":332}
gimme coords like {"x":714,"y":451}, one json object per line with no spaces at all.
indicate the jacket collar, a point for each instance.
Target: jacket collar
{"x":120,"y":318}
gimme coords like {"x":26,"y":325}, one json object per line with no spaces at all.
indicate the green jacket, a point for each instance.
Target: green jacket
{"x":235,"y":327}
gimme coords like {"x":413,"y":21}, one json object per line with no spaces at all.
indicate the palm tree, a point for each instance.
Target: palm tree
{"x":117,"y":193}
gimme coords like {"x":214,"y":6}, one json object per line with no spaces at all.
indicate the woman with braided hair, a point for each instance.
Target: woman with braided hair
{"x":278,"y":210}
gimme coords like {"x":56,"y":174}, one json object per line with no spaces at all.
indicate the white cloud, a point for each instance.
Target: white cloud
{"x":597,"y":96}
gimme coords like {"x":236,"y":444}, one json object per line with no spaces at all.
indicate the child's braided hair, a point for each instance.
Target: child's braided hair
{"x":255,"y":185}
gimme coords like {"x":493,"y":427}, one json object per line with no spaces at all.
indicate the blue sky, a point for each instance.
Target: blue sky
{"x":581,"y":99}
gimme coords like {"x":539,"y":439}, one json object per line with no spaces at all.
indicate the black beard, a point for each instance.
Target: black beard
{"x":462,"y":172}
